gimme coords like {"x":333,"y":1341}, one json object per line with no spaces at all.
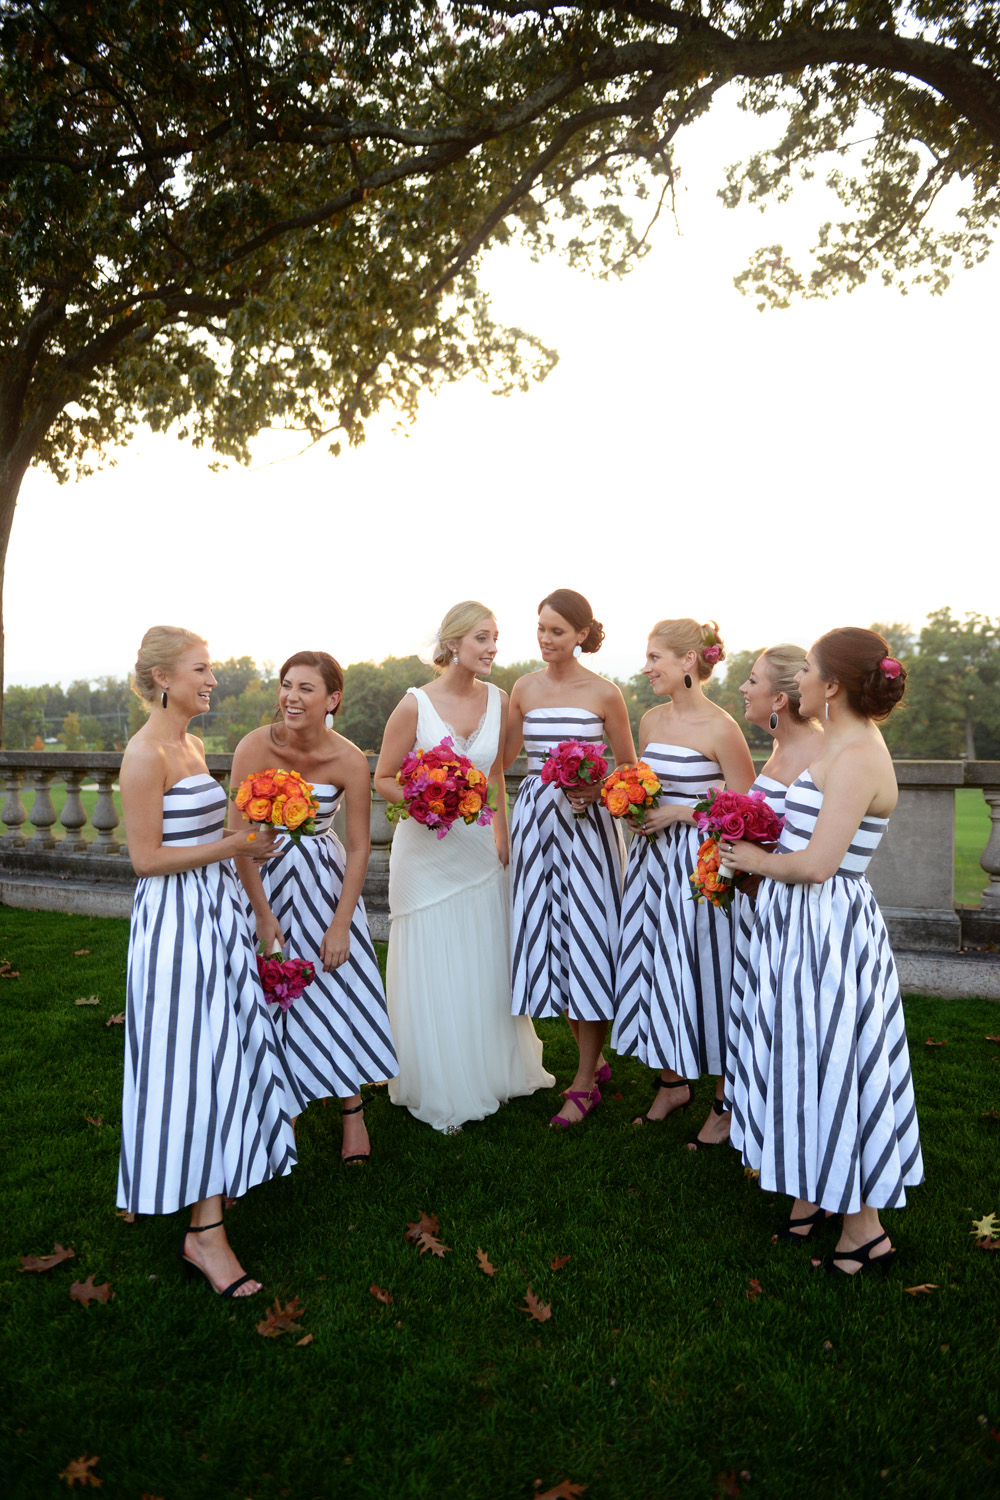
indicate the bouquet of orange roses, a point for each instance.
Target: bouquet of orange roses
{"x":629,"y":791}
{"x":723,"y":814}
{"x":282,"y":798}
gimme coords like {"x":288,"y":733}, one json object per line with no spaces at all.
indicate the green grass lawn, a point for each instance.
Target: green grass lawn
{"x":655,"y":1377}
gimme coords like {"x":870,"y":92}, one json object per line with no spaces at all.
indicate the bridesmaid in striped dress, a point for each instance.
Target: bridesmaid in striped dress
{"x":675,"y":954}
{"x":307,"y":899}
{"x":831,"y":1118}
{"x":771,"y":701}
{"x":566,"y":870}
{"x":206,"y":1101}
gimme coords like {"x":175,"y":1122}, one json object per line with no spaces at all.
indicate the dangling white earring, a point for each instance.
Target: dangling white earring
{"x":578,"y":651}
{"x":328,"y":718}
{"x":454,"y":658}
{"x":826,"y":707}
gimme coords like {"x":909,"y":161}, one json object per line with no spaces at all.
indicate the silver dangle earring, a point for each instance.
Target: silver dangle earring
{"x":163,"y":697}
{"x":328,"y":718}
{"x":578,"y":652}
{"x":773,"y":721}
{"x":687,"y":679}
{"x":826,"y":709}
{"x":454,"y":658}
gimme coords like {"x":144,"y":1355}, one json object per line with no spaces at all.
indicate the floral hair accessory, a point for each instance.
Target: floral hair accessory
{"x":890,"y":667}
{"x":712,"y":654}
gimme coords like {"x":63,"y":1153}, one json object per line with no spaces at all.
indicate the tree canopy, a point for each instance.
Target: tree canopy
{"x":224,"y":215}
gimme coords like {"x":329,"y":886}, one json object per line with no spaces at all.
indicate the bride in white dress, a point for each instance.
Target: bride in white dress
{"x":461,"y":1053}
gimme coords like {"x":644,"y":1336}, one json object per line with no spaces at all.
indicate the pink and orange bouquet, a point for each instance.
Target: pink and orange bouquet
{"x":439,"y":788}
{"x":730,"y":816}
{"x":571,"y":764}
{"x":630,"y":790}
{"x":283,"y":979}
{"x":281,"y":798}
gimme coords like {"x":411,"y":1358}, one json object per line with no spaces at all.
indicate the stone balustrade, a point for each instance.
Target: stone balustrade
{"x":47,"y":863}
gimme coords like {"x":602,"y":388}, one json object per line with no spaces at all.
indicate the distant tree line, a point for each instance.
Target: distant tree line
{"x":951,"y":711}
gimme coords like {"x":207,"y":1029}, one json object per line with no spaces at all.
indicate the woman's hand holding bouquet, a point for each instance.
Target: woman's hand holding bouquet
{"x":729,"y":816}
{"x":279,"y":798}
{"x":574,"y":766}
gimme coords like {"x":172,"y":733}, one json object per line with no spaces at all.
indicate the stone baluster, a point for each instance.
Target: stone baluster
{"x":43,"y":813}
{"x":74,"y":816}
{"x":13,"y":813}
{"x":105,"y":818}
{"x":990,"y":860}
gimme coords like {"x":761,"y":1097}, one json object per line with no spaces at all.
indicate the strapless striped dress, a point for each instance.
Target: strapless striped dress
{"x":675,"y":954}
{"x":207,"y":1100}
{"x":336,"y":1036}
{"x":565,"y":884}
{"x":822,"y":1080}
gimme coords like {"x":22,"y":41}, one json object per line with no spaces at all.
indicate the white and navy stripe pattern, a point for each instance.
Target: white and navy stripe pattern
{"x":336,"y":1035}
{"x":206,"y":1100}
{"x":675,"y":954}
{"x":744,"y":907}
{"x":822,"y":1093}
{"x":565,"y":884}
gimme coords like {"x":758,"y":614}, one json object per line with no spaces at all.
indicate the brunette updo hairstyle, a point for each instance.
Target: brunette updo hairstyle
{"x":162,"y":646}
{"x":782,"y":662}
{"x":853,"y":658}
{"x":328,"y":668}
{"x":682,"y":636}
{"x":459,"y":620}
{"x":577,"y":612}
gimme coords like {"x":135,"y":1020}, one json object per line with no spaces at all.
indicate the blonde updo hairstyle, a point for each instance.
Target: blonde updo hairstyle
{"x":781,"y":663}
{"x":162,"y":647}
{"x":682,"y":636}
{"x":459,"y":620}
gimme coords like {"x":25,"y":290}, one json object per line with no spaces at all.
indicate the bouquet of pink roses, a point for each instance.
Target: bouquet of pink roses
{"x":730,"y":816}
{"x":283,"y":979}
{"x":439,"y":787}
{"x":571,"y":764}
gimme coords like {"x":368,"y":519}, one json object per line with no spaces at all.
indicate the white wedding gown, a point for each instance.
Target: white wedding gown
{"x":461,"y":1053}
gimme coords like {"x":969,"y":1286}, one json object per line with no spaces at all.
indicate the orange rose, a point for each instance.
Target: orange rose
{"x":258,"y":809}
{"x":437,"y":807}
{"x":475,"y":778}
{"x":296,"y":811}
{"x":243,"y":794}
{"x":438,"y":774}
{"x":617,"y":801}
{"x":470,"y":804}
{"x":264,"y":786}
{"x":636,"y":795}
{"x":278,"y":811}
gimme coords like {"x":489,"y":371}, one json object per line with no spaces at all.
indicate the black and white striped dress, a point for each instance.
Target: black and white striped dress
{"x":822,"y":1078}
{"x":744,"y":908}
{"x":207,"y":1100}
{"x":675,"y":954}
{"x":566,"y":877}
{"x":336,"y":1035}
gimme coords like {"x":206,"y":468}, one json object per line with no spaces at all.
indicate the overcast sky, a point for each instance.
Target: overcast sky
{"x":783,"y":472}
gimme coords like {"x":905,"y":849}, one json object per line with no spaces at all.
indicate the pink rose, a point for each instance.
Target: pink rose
{"x":732,"y":826}
{"x":890,"y":667}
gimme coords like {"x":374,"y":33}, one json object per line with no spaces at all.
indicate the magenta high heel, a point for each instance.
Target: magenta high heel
{"x":585,"y":1103}
{"x":603,"y":1074}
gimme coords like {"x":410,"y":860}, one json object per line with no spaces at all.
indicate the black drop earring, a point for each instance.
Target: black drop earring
{"x":163,"y":697}
{"x":773,"y":721}
{"x":687,"y":679}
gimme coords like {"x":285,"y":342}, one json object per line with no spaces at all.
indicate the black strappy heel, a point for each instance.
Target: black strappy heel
{"x":190,"y":1269}
{"x":667,"y":1083}
{"x":718,"y":1108}
{"x":883,"y":1263}
{"x":359,"y":1157}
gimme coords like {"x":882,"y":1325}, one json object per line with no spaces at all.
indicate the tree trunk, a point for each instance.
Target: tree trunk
{"x":11,"y":475}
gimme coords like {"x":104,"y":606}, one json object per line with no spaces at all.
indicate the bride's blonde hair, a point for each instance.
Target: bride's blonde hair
{"x":459,"y":620}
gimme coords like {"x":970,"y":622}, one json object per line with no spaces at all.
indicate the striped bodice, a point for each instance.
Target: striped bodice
{"x":544,"y":728}
{"x":802,"y":807}
{"x":194,"y":810}
{"x":684,"y":774}
{"x":328,"y":796}
{"x":774,"y":791}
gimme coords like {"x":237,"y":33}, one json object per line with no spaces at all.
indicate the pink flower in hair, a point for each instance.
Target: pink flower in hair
{"x":890,"y":667}
{"x":712,"y":654}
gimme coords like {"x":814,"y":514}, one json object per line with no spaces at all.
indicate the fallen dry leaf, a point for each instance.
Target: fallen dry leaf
{"x":426,"y":1224}
{"x":564,"y":1490}
{"x":46,"y":1262}
{"x":380,"y":1294}
{"x":99,"y":1121}
{"x":754,"y":1289}
{"x":6,"y":972}
{"x":429,"y":1242}
{"x":281,"y":1320}
{"x":78,"y":1470}
{"x":85,"y":1292}
{"x":751,"y":1173}
{"x":301,"y":1343}
{"x":930,"y":1042}
{"x":925,"y":1286}
{"x":80,"y":952}
{"x":558,"y":1262}
{"x":540,"y":1311}
{"x":484,"y":1263}
{"x":986,"y":1228}
{"x":126,"y":1214}
{"x":117,"y":1020}
{"x":88,"y":1000}
{"x":991,"y":1039}
{"x":728,"y":1484}
{"x":988,"y":1244}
